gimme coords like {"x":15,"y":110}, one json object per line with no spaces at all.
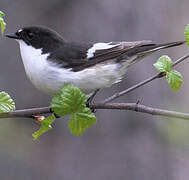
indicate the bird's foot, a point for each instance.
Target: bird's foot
{"x":56,"y":116}
{"x":90,"y":99}
{"x":91,"y":108}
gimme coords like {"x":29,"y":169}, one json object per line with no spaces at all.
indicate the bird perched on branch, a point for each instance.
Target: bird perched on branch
{"x":50,"y":61}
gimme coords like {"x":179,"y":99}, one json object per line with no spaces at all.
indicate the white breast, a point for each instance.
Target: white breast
{"x":50,"y":78}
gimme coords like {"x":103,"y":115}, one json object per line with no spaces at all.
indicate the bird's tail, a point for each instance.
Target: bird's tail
{"x":139,"y":52}
{"x":150,"y":48}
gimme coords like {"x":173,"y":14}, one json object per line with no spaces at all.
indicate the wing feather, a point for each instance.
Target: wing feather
{"x":81,"y":56}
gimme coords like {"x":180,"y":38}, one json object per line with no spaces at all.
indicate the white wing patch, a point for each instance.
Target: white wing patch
{"x":98,"y":46}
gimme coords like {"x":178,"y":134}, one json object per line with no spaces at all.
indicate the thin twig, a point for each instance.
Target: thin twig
{"x":116,"y":95}
{"x":158,"y":75}
{"x":181,"y":59}
{"x":26,"y":113}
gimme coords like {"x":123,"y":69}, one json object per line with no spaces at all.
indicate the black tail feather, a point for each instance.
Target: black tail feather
{"x":168,"y":45}
{"x":150,"y":48}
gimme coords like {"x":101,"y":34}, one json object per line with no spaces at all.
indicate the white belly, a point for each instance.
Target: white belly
{"x":50,"y":78}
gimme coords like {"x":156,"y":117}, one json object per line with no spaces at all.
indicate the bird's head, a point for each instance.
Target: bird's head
{"x":38,"y":37}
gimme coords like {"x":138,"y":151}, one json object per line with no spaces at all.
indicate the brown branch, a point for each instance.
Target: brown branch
{"x":156,"y":76}
{"x":28,"y":113}
{"x":143,"y":109}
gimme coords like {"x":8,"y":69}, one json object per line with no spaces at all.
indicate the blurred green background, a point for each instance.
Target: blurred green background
{"x":122,"y":145}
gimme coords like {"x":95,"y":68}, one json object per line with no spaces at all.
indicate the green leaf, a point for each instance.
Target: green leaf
{"x":70,"y":100}
{"x":2,"y":22}
{"x":45,"y":126}
{"x":81,"y":120}
{"x":6,"y":103}
{"x":186,"y":34}
{"x":2,"y":14}
{"x":174,"y":79}
{"x":3,"y":25}
{"x":163,"y":64}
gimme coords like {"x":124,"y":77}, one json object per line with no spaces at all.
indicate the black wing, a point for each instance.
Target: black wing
{"x":80,"y":56}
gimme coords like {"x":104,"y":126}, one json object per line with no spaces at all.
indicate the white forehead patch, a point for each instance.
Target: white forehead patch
{"x":98,"y":46}
{"x":20,"y":30}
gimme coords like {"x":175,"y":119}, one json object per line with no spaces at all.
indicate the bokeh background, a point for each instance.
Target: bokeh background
{"x":122,"y":145}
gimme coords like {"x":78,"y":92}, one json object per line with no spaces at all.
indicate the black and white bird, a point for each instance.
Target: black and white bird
{"x":50,"y":61}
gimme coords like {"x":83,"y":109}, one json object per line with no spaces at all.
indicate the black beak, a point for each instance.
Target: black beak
{"x":12,"y":35}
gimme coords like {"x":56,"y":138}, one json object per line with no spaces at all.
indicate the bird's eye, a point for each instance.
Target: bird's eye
{"x":17,"y":33}
{"x":30,"y":35}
